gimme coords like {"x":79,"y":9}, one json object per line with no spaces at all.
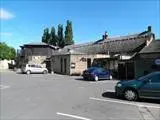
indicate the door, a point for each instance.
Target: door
{"x":39,"y":69}
{"x":102,"y":73}
{"x":151,"y":88}
{"x":88,"y":62}
{"x":33,"y":68}
{"x":155,"y":86}
{"x":121,"y":71}
{"x":61,"y":65}
{"x":65,"y":65}
{"x":130,"y":70}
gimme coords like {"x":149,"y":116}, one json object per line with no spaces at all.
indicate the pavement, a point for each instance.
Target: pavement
{"x":62,"y":97}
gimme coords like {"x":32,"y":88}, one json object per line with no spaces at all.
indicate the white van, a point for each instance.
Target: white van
{"x":33,"y":68}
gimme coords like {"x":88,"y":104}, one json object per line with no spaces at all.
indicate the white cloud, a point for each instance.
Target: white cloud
{"x":5,"y":15}
{"x":5,"y":34}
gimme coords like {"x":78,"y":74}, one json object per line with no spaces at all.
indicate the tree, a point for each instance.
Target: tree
{"x":7,"y":52}
{"x":69,"y":34}
{"x":46,"y":36}
{"x":60,"y":36}
{"x":53,"y":38}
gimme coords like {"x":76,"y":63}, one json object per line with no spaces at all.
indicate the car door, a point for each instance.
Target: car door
{"x":103,"y":74}
{"x":150,"y":87}
{"x":33,"y":68}
{"x":155,"y":86}
{"x":38,"y":69}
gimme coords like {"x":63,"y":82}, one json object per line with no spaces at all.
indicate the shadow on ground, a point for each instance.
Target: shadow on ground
{"x":113,"y":96}
{"x":81,"y":79}
{"x":110,"y":95}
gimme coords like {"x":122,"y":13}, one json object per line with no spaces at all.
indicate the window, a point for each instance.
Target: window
{"x":33,"y":66}
{"x":155,"y":78}
{"x":101,"y":70}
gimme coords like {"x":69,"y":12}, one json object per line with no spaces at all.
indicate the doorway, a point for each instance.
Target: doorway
{"x":65,"y":65}
{"x":126,"y":70}
{"x":88,"y":62}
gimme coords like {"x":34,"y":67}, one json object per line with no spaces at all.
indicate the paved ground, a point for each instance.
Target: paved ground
{"x":60,"y":97}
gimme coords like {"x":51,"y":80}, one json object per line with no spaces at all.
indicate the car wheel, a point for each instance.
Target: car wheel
{"x":130,"y":95}
{"x":28,"y":72}
{"x":96,"y":78}
{"x":45,"y":72}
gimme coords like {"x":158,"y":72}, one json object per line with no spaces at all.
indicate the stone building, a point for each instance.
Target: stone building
{"x":111,"y":53}
{"x":36,"y":53}
{"x":148,"y":59}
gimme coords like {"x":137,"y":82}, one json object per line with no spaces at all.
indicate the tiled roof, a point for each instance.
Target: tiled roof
{"x":40,"y":44}
{"x":114,"y":45}
{"x":153,"y":47}
{"x":122,"y":44}
{"x":36,"y":43}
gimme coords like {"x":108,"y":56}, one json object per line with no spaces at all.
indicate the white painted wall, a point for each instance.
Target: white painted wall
{"x":4,"y":63}
{"x":125,"y":57}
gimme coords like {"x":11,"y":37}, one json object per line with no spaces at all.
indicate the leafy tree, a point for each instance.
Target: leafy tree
{"x":60,"y":36}
{"x":7,"y":52}
{"x":69,"y":34}
{"x":46,"y":36}
{"x":53,"y":38}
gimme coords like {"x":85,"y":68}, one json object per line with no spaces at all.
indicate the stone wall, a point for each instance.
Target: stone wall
{"x":37,"y":60}
{"x":75,"y":64}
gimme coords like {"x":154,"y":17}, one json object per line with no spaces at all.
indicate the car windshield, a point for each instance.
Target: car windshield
{"x":91,"y":69}
{"x":146,"y":76}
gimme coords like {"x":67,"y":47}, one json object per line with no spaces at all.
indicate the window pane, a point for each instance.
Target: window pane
{"x":156,"y":78}
{"x":32,"y":65}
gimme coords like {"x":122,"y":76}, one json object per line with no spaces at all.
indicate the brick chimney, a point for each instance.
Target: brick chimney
{"x":105,"y":36}
{"x":149,"y":28}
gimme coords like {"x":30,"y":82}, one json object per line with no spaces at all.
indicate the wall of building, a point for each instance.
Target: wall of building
{"x":79,"y":63}
{"x":75,"y":64}
{"x":142,"y":66}
{"x":4,"y":63}
{"x":37,"y":60}
{"x":58,"y":64}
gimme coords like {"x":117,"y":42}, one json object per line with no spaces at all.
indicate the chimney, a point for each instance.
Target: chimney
{"x":105,"y":36}
{"x":149,"y":29}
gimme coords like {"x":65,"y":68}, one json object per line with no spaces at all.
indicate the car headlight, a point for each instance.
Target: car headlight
{"x":119,"y":85}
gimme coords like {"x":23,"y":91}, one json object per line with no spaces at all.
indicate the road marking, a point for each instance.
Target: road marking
{"x":109,"y":90}
{"x":73,"y":116}
{"x":4,"y":87}
{"x":126,"y":103}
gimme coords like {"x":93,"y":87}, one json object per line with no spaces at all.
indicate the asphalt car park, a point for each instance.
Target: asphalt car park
{"x":59,"y":97}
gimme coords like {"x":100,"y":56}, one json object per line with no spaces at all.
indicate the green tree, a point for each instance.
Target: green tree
{"x":69,"y":34}
{"x":46,"y":36}
{"x":60,"y":36}
{"x":53,"y":38}
{"x":7,"y":52}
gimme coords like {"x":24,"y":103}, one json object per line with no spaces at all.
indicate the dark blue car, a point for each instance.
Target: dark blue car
{"x":96,"y":73}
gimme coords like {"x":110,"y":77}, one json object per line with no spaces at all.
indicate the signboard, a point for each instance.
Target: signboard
{"x":73,"y":65}
{"x":157,"y":61}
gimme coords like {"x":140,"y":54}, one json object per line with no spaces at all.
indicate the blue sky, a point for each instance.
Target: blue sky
{"x":24,"y":21}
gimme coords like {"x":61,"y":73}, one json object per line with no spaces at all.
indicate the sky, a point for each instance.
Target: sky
{"x":23,"y":21}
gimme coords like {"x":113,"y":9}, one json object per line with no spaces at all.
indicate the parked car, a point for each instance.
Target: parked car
{"x":96,"y":73}
{"x":147,"y":86}
{"x":32,"y":68}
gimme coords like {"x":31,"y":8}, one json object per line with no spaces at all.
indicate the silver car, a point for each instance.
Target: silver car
{"x":33,"y":68}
